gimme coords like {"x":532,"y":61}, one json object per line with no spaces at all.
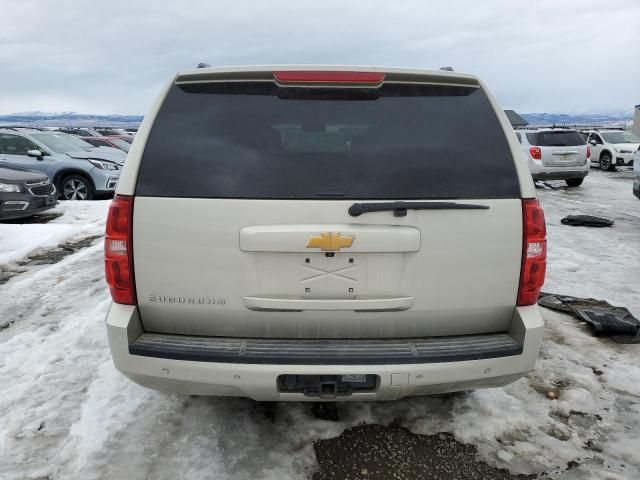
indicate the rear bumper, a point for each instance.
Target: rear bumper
{"x":398,"y":376}
{"x":622,"y":159}
{"x":540,"y":171}
{"x":105,"y":181}
{"x":560,"y":175}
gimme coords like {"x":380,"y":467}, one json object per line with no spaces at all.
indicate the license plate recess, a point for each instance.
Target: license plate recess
{"x":327,"y":386}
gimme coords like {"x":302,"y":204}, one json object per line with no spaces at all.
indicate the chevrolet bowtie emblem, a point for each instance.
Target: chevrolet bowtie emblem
{"x":330,"y":241}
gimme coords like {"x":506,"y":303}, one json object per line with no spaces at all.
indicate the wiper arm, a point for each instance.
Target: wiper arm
{"x":400,"y":208}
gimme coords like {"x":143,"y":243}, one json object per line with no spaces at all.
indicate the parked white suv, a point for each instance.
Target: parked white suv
{"x":611,"y":148}
{"x":314,"y":233}
{"x":555,"y":154}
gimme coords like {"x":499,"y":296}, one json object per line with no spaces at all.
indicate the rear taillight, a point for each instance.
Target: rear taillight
{"x":118,"y":253}
{"x":588,"y":151}
{"x":534,"y":252}
{"x":536,"y":153}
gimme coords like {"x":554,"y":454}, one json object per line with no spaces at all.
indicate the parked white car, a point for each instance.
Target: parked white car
{"x":555,"y":154}
{"x":611,"y":148}
{"x":315,"y":233}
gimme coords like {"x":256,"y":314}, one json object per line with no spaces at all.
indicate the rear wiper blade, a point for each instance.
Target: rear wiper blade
{"x":400,"y":208}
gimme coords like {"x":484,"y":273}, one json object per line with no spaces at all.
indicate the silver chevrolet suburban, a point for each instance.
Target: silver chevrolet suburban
{"x":324,"y":233}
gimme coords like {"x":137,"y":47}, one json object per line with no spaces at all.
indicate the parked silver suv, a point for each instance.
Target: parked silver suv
{"x":313,"y":233}
{"x":79,"y":170}
{"x":555,"y":154}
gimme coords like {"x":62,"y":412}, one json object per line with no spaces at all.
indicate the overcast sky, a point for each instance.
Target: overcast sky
{"x":112,"y":56}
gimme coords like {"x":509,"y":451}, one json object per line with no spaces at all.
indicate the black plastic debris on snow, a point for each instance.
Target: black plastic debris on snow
{"x":376,"y":452}
{"x":586,"y":221}
{"x":616,"y":323}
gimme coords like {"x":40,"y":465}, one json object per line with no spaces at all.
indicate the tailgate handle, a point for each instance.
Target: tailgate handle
{"x":379,"y":304}
{"x":565,"y":152}
{"x":400,"y":208}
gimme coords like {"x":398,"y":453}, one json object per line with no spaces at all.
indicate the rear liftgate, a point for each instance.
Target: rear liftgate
{"x":282,"y":239}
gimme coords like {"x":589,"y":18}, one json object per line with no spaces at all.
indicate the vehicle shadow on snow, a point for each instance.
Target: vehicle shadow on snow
{"x":621,"y":173}
{"x":38,"y":218}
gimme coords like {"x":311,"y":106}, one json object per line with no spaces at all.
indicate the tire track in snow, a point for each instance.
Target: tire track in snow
{"x":44,"y":257}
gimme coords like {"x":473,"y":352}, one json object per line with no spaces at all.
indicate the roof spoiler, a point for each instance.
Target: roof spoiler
{"x":266,"y":74}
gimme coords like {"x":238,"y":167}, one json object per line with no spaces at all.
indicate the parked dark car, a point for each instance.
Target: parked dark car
{"x":24,"y":193}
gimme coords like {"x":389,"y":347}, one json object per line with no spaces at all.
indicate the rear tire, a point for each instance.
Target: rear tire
{"x":574,"y":182}
{"x":606,"y":162}
{"x":76,"y":187}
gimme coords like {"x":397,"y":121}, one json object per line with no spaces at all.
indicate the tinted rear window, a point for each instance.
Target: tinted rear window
{"x":258,"y":140}
{"x":556,"y":139}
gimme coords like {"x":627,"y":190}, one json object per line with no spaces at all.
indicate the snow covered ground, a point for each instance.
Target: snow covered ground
{"x":68,"y":414}
{"x":75,"y":221}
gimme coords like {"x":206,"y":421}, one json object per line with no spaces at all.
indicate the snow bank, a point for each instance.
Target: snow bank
{"x":17,"y":241}
{"x":78,"y":219}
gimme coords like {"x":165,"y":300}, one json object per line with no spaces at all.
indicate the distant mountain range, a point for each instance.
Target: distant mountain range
{"x":74,"y":119}
{"x":69,"y":119}
{"x":578,"y":119}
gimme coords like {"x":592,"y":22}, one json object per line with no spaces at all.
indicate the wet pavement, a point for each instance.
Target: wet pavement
{"x":377,"y":452}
